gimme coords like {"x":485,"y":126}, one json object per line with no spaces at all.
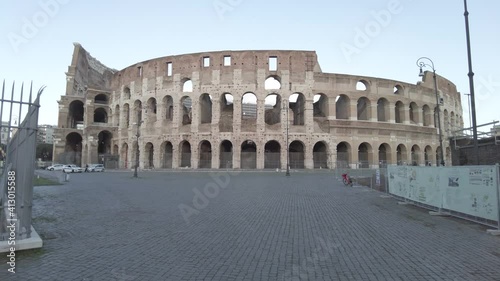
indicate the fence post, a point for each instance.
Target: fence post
{"x":498,"y":195}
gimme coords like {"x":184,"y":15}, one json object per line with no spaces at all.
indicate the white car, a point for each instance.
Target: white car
{"x":72,"y":169}
{"x":56,"y":167}
{"x":95,"y":168}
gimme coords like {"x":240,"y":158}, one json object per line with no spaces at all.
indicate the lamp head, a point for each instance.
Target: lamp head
{"x":421,"y":74}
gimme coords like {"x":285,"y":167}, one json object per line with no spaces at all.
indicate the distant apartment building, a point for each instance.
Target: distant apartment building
{"x":46,"y":134}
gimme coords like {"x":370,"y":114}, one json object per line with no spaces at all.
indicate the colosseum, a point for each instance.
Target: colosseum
{"x":248,"y":110}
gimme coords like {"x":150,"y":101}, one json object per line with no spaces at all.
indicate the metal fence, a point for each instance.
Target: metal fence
{"x":16,"y":183}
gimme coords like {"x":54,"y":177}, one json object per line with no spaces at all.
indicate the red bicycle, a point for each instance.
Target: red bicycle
{"x":347,"y":180}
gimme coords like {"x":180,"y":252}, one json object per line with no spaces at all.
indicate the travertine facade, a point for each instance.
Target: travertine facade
{"x":229,"y":109}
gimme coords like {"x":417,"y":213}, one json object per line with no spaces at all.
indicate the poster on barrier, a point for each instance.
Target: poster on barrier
{"x":472,"y":191}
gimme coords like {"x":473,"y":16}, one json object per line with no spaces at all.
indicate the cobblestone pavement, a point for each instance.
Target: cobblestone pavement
{"x":247,"y":226}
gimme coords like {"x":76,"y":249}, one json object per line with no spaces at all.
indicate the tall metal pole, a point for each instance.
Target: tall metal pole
{"x":470,"y":117}
{"x":421,"y":63}
{"x":138,"y":134}
{"x":287,"y":145}
{"x":471,"y":84}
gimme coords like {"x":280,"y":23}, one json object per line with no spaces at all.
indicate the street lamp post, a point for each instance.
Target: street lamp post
{"x":421,"y":62}
{"x":138,"y":134}
{"x":285,"y":107}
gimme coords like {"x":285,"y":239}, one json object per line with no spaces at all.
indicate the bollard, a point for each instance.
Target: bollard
{"x":66,"y":177}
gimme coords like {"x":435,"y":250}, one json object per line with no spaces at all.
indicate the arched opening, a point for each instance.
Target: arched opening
{"x":426,"y":112}
{"x":272,"y":83}
{"x":343,"y":107}
{"x":72,"y":150}
{"x":320,"y":105}
{"x":116,"y":116}
{"x":415,"y":155}
{"x":297,"y":105}
{"x":124,"y":156}
{"x":428,"y":156}
{"x":343,"y":155}
{"x":398,"y":90}
{"x":320,"y":155}
{"x":382,"y":110}
{"x":414,"y":118}
{"x":226,"y":155}
{"x":187,"y":86}
{"x":126,"y":93}
{"x":226,"y":113}
{"x":401,"y":155}
{"x":205,"y":155}
{"x":137,"y":112}
{"x":126,"y":115}
{"x":249,"y":112}
{"x":296,"y":154}
{"x":104,"y":143}
{"x":185,"y":151}
{"x":168,"y":106}
{"x":101,"y":98}
{"x":272,"y":155}
{"x":446,"y":121}
{"x":365,"y":155}
{"x":149,"y":150}
{"x":452,"y":122}
{"x":100,"y":116}
{"x":384,"y":155}
{"x":186,"y":112}
{"x":363,"y":109}
{"x":248,"y":155}
{"x":167,"y":155}
{"x":362,"y":85}
{"x":75,"y":116}
{"x":151,"y":110}
{"x":272,"y":109}
{"x":400,"y":112}
{"x":205,"y":109}
{"x":115,"y":149}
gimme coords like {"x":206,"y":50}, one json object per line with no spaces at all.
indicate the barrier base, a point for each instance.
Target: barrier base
{"x":385,"y":196}
{"x":34,"y":242}
{"x":440,"y":214}
{"x":495,"y":232}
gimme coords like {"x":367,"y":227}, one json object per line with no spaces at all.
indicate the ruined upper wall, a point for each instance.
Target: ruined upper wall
{"x":247,"y":64}
{"x":86,"y":72}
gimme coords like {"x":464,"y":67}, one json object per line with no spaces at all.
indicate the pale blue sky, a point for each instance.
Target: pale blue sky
{"x":121,"y":33}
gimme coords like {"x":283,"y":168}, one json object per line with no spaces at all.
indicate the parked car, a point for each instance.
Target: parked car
{"x":56,"y":167}
{"x":72,"y":169}
{"x":95,"y":168}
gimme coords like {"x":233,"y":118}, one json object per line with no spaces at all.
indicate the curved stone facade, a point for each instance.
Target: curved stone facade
{"x":229,"y":109}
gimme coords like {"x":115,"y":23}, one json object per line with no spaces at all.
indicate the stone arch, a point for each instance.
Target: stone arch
{"x":427,"y":114}
{"x":414,"y":116}
{"x":126,"y":93}
{"x":320,"y":155}
{"x":226,"y":155}
{"x":205,"y":151}
{"x":401,"y":155}
{"x":446,"y":121}
{"x":399,"y":111}
{"x":272,"y":106}
{"x":343,"y":155}
{"x":167,"y":155}
{"x":124,"y":156}
{"x":343,"y":107}
{"x":205,"y":109}
{"x":365,"y":155}
{"x":428,"y":155}
{"x":297,"y":103}
{"x":73,"y":149}
{"x":364,"y":109}
{"x":187,"y":85}
{"x":104,"y":142}
{"x":272,"y":82}
{"x":415,"y":155}
{"x":226,"y":113}
{"x":320,"y":105}
{"x":126,"y":114}
{"x":185,"y":154}
{"x":168,"y":108}
{"x":186,"y":112}
{"x":137,"y":117}
{"x":75,"y":115}
{"x":249,"y":108}
{"x":116,"y":116}
{"x":101,"y":98}
{"x":248,"y":155}
{"x":398,"y":90}
{"x":296,"y":154}
{"x":272,"y":155}
{"x":362,"y":85}
{"x":384,"y":155}
{"x":382,"y":110}
{"x":151,"y":110}
{"x":100,"y":115}
{"x":149,"y":152}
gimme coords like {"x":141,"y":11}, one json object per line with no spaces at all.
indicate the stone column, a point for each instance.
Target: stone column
{"x":308,"y":156}
{"x":374,"y":112}
{"x":260,"y":154}
{"x":392,"y":113}
{"x":353,"y":110}
{"x":309,"y":116}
